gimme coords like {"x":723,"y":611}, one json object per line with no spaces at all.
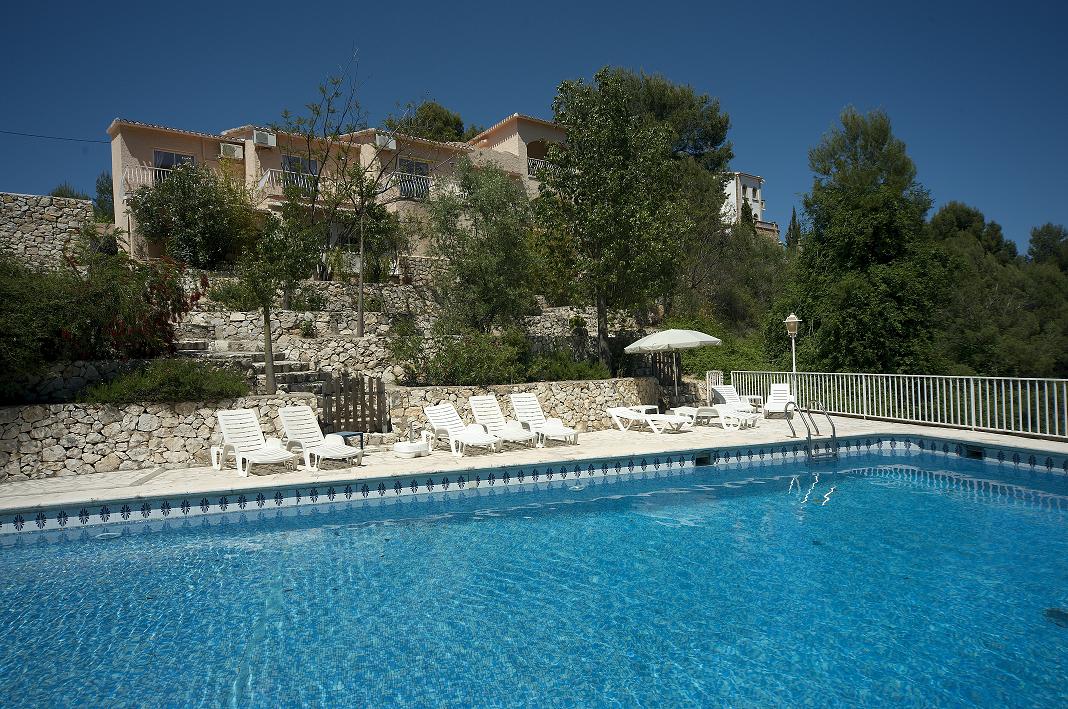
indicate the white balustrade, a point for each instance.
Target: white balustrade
{"x":1029,"y":406}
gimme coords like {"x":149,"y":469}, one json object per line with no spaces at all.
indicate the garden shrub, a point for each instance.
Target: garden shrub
{"x":560,"y":366}
{"x":307,"y":299}
{"x":169,"y":380}
{"x":233,"y":295}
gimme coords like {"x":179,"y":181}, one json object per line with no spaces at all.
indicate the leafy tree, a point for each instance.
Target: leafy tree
{"x":282,"y":253}
{"x":202,"y":217}
{"x":956,"y":220}
{"x":67,"y":190}
{"x":793,"y":231}
{"x":484,"y":230}
{"x":1049,"y":244}
{"x":104,"y":203}
{"x":1001,"y":316}
{"x":432,"y":121}
{"x":611,"y":193}
{"x":867,"y":278}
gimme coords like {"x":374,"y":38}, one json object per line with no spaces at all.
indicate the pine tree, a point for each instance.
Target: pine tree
{"x":793,"y":232}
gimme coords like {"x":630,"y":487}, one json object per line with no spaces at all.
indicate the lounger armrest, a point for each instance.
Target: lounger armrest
{"x":476,"y":428}
{"x":554,"y":423}
{"x":332,"y":439}
{"x":273,"y":443}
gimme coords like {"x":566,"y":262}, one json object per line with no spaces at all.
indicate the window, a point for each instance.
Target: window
{"x":166,"y":160}
{"x":299,"y":164}
{"x":413,"y":178}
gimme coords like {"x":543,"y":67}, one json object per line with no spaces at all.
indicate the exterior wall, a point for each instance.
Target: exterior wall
{"x":740,"y":187}
{"x":36,"y":230}
{"x":580,"y":404}
{"x":79,"y":439}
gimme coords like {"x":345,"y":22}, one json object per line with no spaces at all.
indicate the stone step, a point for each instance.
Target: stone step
{"x":282,"y":365}
{"x":193,"y":346}
{"x":237,"y":345}
{"x":289,"y":378}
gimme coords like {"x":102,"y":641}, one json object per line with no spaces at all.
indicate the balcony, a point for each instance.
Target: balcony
{"x":138,"y":176}
{"x":275,"y":181}
{"x":411,"y":186}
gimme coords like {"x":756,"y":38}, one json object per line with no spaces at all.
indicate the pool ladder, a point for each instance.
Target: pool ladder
{"x":831,"y":452}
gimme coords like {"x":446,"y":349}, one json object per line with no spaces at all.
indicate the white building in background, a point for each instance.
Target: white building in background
{"x":742,"y":187}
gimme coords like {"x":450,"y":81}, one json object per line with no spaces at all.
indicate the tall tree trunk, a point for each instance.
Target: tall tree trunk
{"x":602,"y":330}
{"x":268,"y":354}
{"x":359,"y":287}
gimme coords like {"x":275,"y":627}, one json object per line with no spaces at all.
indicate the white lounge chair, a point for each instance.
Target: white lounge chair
{"x":730,"y":397}
{"x":528,"y":411}
{"x":303,"y":432}
{"x":445,"y":424}
{"x":624,"y":417}
{"x":778,"y":398}
{"x":733,"y":418}
{"x":487,"y":412}
{"x":242,"y":436}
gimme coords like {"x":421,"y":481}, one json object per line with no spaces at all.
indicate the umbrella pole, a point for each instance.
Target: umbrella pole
{"x":675,"y":368}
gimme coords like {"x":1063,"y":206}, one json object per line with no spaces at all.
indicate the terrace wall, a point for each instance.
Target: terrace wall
{"x":79,"y":439}
{"x":580,"y":404}
{"x":36,"y":230}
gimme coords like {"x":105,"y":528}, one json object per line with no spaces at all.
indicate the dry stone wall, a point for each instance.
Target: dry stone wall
{"x":580,"y":404}
{"x":368,"y":355}
{"x":79,"y":439}
{"x":36,"y":230}
{"x":65,"y":379}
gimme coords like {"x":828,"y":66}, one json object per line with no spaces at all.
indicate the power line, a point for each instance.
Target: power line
{"x":53,"y":137}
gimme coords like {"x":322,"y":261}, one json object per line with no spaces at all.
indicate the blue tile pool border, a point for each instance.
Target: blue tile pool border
{"x":119,"y":516}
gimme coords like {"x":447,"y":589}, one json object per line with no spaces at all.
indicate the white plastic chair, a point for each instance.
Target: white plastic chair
{"x":303,"y":432}
{"x":487,"y":412}
{"x":778,"y":398}
{"x":445,"y":424}
{"x":528,"y":412}
{"x":242,"y":436}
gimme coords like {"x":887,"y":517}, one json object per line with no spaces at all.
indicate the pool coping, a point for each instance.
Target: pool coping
{"x":258,"y":495}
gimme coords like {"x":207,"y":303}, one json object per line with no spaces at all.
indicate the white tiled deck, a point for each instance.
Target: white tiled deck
{"x":103,"y":487}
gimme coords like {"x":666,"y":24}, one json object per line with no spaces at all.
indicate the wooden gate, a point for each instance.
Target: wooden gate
{"x":355,"y":403}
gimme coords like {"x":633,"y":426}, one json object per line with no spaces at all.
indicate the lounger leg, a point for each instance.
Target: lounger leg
{"x":244,"y":467}
{"x":216,"y":457}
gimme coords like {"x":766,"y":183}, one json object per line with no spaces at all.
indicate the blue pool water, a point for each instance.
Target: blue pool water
{"x":886,"y":583}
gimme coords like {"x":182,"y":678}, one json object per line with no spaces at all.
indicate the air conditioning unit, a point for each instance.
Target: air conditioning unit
{"x":264,"y":138}
{"x":385,"y":142}
{"x":230,"y":151}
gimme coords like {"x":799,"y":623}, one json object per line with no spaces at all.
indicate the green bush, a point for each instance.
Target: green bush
{"x":560,"y":366}
{"x":233,"y":296}
{"x":307,"y":328}
{"x":169,"y":380}
{"x":307,"y":299}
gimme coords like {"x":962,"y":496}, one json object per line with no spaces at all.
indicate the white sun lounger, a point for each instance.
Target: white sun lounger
{"x":778,"y":398}
{"x":242,"y":436}
{"x":487,"y":412}
{"x":528,"y":411}
{"x":732,"y":418}
{"x":624,"y":417}
{"x":730,"y":397}
{"x":303,"y":432}
{"x":445,"y":424}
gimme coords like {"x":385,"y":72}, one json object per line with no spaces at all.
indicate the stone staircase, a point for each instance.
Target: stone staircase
{"x":289,"y":375}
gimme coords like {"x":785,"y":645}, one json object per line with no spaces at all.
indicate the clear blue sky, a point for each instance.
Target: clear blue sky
{"x":977,"y":92}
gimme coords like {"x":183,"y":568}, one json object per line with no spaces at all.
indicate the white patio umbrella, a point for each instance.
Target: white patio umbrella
{"x":672,"y":341}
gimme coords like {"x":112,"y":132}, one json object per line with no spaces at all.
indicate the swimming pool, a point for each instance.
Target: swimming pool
{"x":884,"y":579}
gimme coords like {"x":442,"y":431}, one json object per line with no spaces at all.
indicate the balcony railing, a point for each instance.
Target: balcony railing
{"x":137,"y":176}
{"x":275,"y":180}
{"x":1033,"y":407}
{"x":535,"y":166}
{"x":410,"y":185}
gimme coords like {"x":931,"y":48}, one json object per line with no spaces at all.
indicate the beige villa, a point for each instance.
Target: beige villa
{"x":144,"y":153}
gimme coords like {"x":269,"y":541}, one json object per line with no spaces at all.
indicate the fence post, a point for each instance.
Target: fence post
{"x":971,"y":390}
{"x":864,"y":394}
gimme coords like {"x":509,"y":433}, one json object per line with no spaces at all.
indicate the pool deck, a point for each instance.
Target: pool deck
{"x":148,"y":484}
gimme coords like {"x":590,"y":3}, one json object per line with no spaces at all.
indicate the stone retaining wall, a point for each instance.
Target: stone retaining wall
{"x":367,"y":355}
{"x":36,"y":230}
{"x":78,"y":439}
{"x":65,"y":379}
{"x":244,"y":325}
{"x":580,"y":404}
